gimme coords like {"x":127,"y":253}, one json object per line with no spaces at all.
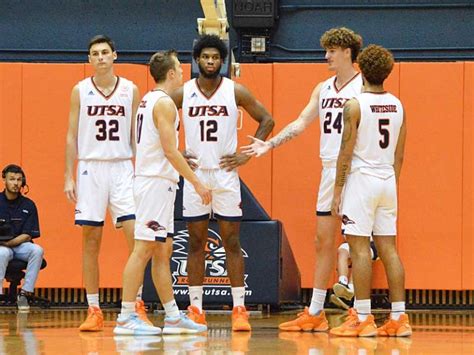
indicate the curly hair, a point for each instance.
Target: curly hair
{"x":210,"y":41}
{"x":342,"y":37}
{"x":160,"y":63}
{"x":376,"y":63}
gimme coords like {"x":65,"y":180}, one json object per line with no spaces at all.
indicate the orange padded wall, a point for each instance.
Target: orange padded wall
{"x":436,"y":240}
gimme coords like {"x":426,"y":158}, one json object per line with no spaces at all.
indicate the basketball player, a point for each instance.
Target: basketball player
{"x":210,"y":112}
{"x":368,"y":168}
{"x":344,"y":288}
{"x":99,"y":135}
{"x":342,"y":46}
{"x":158,"y":165}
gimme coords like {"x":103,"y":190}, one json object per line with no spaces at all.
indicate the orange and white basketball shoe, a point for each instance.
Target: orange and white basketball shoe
{"x":306,"y":322}
{"x":196,"y":316}
{"x":395,"y":328}
{"x":141,"y":311}
{"x":353,"y":327}
{"x":240,"y":319}
{"x":94,"y":321}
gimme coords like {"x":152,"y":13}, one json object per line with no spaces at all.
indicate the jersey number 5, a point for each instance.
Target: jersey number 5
{"x":208,"y":128}
{"x":337,"y":124}
{"x":102,"y":130}
{"x":383,"y":130}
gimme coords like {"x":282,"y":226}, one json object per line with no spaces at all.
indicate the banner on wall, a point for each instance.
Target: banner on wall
{"x":271,"y":276}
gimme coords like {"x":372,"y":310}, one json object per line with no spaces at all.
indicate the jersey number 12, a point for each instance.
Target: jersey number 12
{"x":208,"y":128}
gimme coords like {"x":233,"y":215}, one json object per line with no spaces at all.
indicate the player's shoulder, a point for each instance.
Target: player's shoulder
{"x":126,"y":84}
{"x":328,"y":84}
{"x":164,"y":101}
{"x":86,"y":82}
{"x":125,"y":81}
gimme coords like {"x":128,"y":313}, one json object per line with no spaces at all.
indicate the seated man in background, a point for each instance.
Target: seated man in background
{"x":19,"y":220}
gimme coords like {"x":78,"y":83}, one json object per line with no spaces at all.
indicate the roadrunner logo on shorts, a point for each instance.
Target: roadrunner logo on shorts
{"x":215,"y":261}
{"x":155,"y":226}
{"x":346,"y":220}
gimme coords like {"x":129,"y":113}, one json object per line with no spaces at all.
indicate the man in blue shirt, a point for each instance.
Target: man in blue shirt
{"x":19,"y":225}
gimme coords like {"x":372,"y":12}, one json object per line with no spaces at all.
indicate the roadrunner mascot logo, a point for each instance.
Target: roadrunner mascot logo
{"x":215,"y":260}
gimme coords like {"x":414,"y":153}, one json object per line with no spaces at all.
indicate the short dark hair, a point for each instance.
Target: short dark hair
{"x":375,"y":63}
{"x":101,"y":39}
{"x":210,"y":41}
{"x":14,"y":169}
{"x":160,"y":63}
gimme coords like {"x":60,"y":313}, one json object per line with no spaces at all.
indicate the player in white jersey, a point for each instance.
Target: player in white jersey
{"x":157,"y":167}
{"x":99,"y":136}
{"x":370,"y":159}
{"x":210,"y":115}
{"x":342,"y":46}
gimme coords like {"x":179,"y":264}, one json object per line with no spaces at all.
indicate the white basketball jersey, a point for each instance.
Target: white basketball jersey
{"x":210,"y":124}
{"x":105,"y":121}
{"x":381,"y":116}
{"x":150,"y":158}
{"x":331,"y":104}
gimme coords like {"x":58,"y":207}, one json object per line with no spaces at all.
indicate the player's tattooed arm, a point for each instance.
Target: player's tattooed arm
{"x":307,"y":116}
{"x":351,"y":116}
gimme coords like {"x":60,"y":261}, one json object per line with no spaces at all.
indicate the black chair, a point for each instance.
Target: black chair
{"x":14,"y":274}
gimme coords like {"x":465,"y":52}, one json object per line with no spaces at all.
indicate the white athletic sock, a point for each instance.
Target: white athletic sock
{"x":343,"y":280}
{"x":195,"y":296}
{"x":351,"y":287}
{"x":127,"y":309}
{"x":317,"y":301}
{"x":93,"y":299}
{"x":238,"y":296}
{"x":171,"y":309}
{"x":363,"y":309}
{"x":139,"y":293}
{"x":398,"y":308}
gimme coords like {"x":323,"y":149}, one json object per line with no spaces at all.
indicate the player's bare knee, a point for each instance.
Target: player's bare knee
{"x":232,"y":244}
{"x":91,"y":245}
{"x":324,"y":243}
{"x":196,"y":245}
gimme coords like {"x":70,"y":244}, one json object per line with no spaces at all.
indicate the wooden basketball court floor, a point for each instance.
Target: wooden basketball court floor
{"x":55,"y":332}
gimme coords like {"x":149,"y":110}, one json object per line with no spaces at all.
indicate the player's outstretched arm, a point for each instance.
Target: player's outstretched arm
{"x":164,"y":116}
{"x":293,"y":129}
{"x":400,"y":150}
{"x":351,"y":116}
{"x":71,"y":145}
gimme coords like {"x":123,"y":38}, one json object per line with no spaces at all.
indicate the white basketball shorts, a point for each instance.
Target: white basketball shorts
{"x":369,"y":205}
{"x":154,"y":197}
{"x":102,"y":184}
{"x":326,"y":191}
{"x":226,"y":198}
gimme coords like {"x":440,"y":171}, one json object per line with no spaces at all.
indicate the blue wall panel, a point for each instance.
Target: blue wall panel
{"x":53,"y":30}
